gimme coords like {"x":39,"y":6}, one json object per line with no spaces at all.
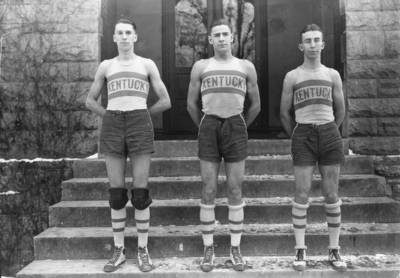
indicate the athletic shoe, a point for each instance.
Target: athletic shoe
{"x":117,"y":259}
{"x":207,"y":264}
{"x":336,"y":261}
{"x":144,"y":261}
{"x":236,"y":258}
{"x":299,"y":262}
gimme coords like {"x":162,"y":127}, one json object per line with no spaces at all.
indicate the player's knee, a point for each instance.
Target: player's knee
{"x":209,"y":192}
{"x":140,"y":198}
{"x":301,"y":197}
{"x":235,"y":191}
{"x":118,"y":198}
{"x":331,"y":197}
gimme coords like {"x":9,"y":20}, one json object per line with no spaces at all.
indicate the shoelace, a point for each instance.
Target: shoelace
{"x":143,"y":255}
{"x":115,"y":256}
{"x":208,"y":254}
{"x":236,"y":255}
{"x":336,"y":255}
{"x":300,"y":255}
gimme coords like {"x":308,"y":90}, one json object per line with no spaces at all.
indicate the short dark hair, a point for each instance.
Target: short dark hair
{"x":220,"y":21}
{"x":125,"y":21}
{"x":310,"y":27}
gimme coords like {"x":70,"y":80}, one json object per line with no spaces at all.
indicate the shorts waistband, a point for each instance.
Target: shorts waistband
{"x":118,"y":112}
{"x":223,"y":119}
{"x":317,"y":126}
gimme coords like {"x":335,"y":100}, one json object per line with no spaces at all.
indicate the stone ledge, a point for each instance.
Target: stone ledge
{"x":372,"y":21}
{"x":373,"y":69}
{"x":375,"y":145}
{"x":362,"y":5}
{"x":386,"y":107}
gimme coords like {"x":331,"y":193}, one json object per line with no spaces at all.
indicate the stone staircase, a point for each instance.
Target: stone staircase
{"x":79,"y":240}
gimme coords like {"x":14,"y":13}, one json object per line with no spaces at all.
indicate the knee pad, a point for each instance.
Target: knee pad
{"x":207,"y":207}
{"x":233,"y":208}
{"x":118,"y":198}
{"x":333,"y":206}
{"x":140,"y":198}
{"x":300,"y":206}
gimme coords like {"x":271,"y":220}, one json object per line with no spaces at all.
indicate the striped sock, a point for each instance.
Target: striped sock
{"x":118,"y":219}
{"x":142,"y":218}
{"x":207,"y":219}
{"x":299,"y":220}
{"x":333,"y":217}
{"x":235,"y":217}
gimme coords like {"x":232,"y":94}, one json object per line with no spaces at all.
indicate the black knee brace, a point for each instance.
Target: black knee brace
{"x":118,"y":198}
{"x":140,"y":198}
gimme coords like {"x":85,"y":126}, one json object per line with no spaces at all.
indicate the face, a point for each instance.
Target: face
{"x":125,"y":36}
{"x":312,"y":44}
{"x":221,"y":37}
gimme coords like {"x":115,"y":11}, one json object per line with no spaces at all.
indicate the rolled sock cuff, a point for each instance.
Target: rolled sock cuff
{"x":242,"y":205}
{"x":300,"y":206}
{"x":297,"y":247}
{"x":208,"y":207}
{"x":333,"y":206}
{"x":333,"y":247}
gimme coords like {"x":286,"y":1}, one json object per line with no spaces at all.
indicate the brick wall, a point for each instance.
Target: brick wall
{"x":372,"y":75}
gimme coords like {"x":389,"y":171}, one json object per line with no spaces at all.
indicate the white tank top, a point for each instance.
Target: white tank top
{"x":128,"y":85}
{"x":223,"y":88}
{"x":312,"y":99}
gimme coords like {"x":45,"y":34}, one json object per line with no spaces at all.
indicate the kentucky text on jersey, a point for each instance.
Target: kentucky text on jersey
{"x":312,"y":92}
{"x":127,"y":84}
{"x":223,"y":81}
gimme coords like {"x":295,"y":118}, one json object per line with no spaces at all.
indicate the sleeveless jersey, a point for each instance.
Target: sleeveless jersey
{"x":223,"y":88}
{"x":128,"y":85}
{"x":312,"y":99}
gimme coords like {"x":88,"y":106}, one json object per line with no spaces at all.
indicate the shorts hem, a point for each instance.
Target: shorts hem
{"x":209,"y":159}
{"x":236,"y":159}
{"x":110,"y":153}
{"x":142,"y":152}
{"x":305,"y":164}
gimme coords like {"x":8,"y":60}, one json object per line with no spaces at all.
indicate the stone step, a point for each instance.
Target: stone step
{"x":188,"y":148}
{"x":373,"y":266}
{"x":189,"y":166}
{"x":186,"y":241}
{"x":258,"y":210}
{"x":264,"y":186}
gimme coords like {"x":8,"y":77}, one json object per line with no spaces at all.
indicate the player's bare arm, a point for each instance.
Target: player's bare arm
{"x":194,"y":91}
{"x":164,"y":101}
{"x":252,"y":92}
{"x":287,"y":103}
{"x":338,"y":97}
{"x":95,"y":90}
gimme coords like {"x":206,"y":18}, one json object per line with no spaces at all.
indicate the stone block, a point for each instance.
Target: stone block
{"x":390,"y":5}
{"x":372,"y":21}
{"x":392,"y":48}
{"x":84,"y":23}
{"x":82,"y":71}
{"x":365,"y":45}
{"x":374,"y":107}
{"x":389,"y":88}
{"x":363,"y":127}
{"x":362,"y":5}
{"x":375,"y":145}
{"x":373,"y":69}
{"x":387,"y":166}
{"x":388,"y":126}
{"x":361,"y":88}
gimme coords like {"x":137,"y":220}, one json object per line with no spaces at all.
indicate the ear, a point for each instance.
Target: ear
{"x":322,"y":45}
{"x":301,"y":47}
{"x":209,"y":39}
{"x":135,"y":38}
{"x":231,"y":37}
{"x":114,"y":39}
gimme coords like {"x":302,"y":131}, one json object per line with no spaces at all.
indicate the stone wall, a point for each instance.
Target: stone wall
{"x":27,"y":189}
{"x":372,"y":75}
{"x":50,"y":53}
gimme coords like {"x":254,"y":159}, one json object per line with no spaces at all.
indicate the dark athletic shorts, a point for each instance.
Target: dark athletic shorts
{"x":312,"y":143}
{"x":127,"y":132}
{"x":222,"y":138}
